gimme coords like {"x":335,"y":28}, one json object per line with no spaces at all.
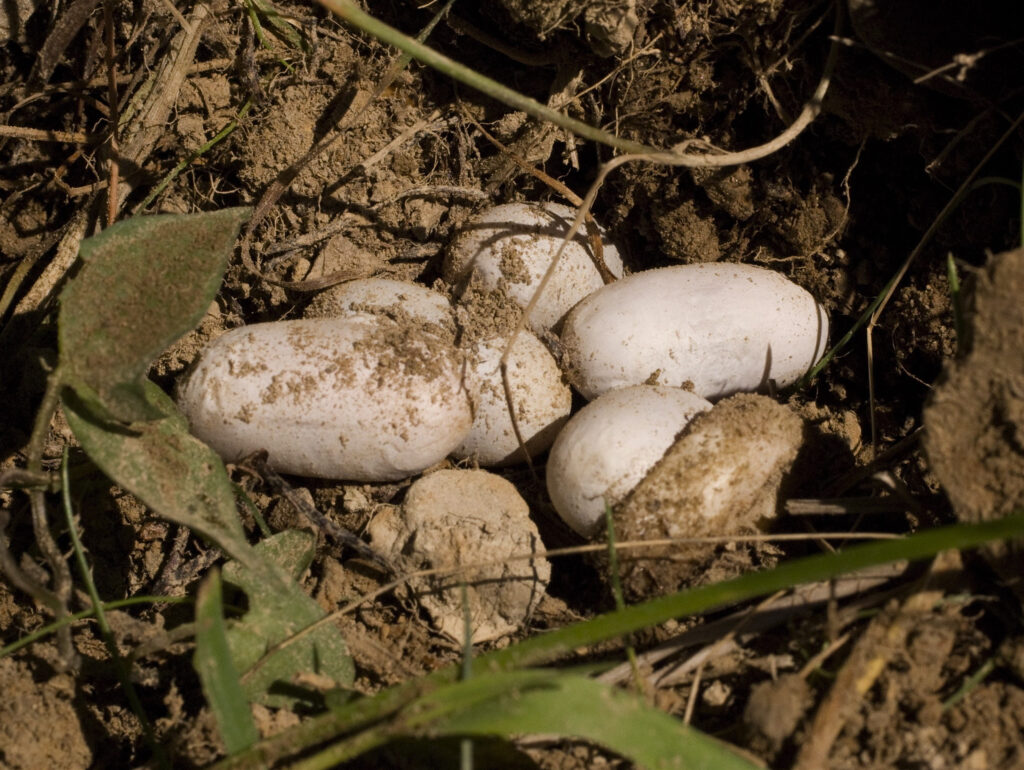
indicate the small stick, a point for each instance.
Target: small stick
{"x":593,"y":234}
{"x":46,"y":135}
{"x":114,"y":168}
{"x":317,"y":519}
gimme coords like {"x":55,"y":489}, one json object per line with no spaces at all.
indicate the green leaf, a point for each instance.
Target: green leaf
{"x":276,"y":613}
{"x":362,"y":715}
{"x":184,"y":481}
{"x":168,"y":469}
{"x":217,"y":673}
{"x":272,"y":19}
{"x":145,"y":282}
{"x":543,"y":701}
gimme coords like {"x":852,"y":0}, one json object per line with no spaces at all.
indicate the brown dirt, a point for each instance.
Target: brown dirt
{"x":837,"y":210}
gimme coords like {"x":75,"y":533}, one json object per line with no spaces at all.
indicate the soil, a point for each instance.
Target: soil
{"x":923,"y":99}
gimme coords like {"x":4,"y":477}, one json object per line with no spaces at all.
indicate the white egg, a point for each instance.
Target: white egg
{"x":362,"y":398}
{"x":542,"y":400}
{"x":716,"y":328}
{"x":383,"y":296}
{"x":510,"y":247}
{"x":608,"y":447}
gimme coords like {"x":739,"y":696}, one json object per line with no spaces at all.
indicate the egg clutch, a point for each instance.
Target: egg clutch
{"x":383,"y":379}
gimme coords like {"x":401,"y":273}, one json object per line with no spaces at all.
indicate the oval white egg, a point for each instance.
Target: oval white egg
{"x":382,"y":296}
{"x":608,"y":447}
{"x":361,"y":398}
{"x":509,"y":247}
{"x":716,"y":328}
{"x":539,"y":392}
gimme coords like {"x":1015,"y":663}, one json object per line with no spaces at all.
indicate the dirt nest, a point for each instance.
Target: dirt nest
{"x":206,"y":106}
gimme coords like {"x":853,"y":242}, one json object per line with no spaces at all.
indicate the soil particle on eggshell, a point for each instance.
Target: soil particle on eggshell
{"x":467,"y":517}
{"x":406,"y":303}
{"x":722,"y":477}
{"x":483,"y":313}
{"x":511,"y":247}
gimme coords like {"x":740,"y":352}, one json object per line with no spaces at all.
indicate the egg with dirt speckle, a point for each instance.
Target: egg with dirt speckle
{"x":609,"y":445}
{"x":384,"y":296}
{"x":542,"y":400}
{"x":510,"y":247}
{"x":360,"y":398}
{"x":716,"y":328}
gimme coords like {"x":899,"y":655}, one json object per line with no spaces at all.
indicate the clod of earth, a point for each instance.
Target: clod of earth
{"x":467,"y":517}
{"x":385,"y":296}
{"x":974,"y":422}
{"x":723,"y":476}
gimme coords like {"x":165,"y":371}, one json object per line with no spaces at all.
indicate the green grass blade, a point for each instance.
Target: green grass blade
{"x":541,"y":649}
{"x":573,"y":706}
{"x":216,"y":669}
{"x":192,"y":156}
{"x":956,"y":298}
{"x":541,"y":701}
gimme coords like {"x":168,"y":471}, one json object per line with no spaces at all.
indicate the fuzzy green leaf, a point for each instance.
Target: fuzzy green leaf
{"x":166,"y":467}
{"x":276,"y":612}
{"x":184,"y":481}
{"x":145,"y":281}
{"x":217,"y":673}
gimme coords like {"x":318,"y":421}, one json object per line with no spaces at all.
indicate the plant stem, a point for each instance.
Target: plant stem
{"x":101,"y":619}
{"x":349,"y":12}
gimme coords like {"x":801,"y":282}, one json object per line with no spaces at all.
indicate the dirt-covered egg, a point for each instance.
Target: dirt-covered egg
{"x":539,"y":392}
{"x":383,"y":296}
{"x":609,"y":445}
{"x":455,"y":518}
{"x":723,"y":475}
{"x":362,"y":398}
{"x":509,"y":247}
{"x":714,"y":328}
